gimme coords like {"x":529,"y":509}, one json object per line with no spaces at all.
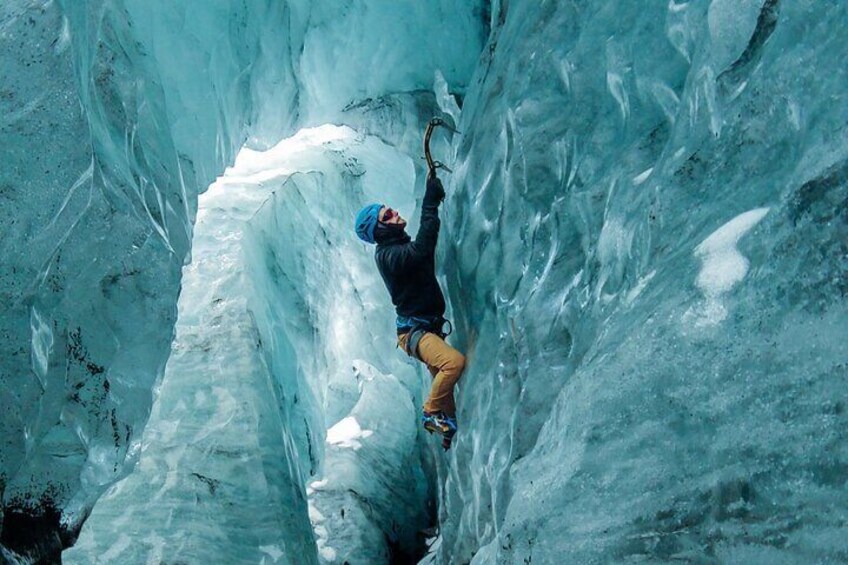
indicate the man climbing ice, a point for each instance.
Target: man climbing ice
{"x":408,"y":268}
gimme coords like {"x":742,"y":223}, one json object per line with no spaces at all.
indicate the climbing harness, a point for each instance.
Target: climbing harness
{"x":432,"y":165}
{"x":434,"y":326}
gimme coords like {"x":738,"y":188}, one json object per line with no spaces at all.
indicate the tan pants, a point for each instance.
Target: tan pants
{"x":445,"y":364}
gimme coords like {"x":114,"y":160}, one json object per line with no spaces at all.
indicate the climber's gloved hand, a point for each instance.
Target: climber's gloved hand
{"x":435,"y":192}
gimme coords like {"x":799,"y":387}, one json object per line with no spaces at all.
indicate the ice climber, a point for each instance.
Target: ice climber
{"x":408,"y":268}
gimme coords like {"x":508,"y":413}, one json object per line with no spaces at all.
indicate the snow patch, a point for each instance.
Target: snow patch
{"x":327,"y":553}
{"x":346,"y":433}
{"x":723,"y":264}
{"x":722,"y":267}
{"x":316,"y":485}
{"x":321,"y":535}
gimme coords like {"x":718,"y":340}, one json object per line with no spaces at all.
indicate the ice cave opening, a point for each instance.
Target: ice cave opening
{"x":643,"y":247}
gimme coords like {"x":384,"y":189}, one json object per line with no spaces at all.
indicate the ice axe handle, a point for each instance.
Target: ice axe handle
{"x":432,"y":165}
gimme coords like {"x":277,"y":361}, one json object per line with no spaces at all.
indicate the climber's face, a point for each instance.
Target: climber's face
{"x":391,"y":217}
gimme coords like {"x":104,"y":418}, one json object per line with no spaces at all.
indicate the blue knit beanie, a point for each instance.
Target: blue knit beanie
{"x":366,"y":221}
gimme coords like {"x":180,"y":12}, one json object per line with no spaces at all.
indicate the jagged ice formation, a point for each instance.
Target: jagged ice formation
{"x":643,"y":245}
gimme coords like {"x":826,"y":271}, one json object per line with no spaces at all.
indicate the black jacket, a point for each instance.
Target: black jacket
{"x":408,"y":267}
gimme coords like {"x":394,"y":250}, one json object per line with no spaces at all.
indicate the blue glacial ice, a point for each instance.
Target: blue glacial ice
{"x":644,"y":247}
{"x":264,"y":393}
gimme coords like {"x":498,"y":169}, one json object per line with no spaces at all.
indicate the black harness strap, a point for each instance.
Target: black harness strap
{"x":412,"y":343}
{"x":436,"y":326}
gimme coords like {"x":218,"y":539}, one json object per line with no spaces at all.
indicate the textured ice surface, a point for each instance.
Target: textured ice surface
{"x":210,"y":476}
{"x":373,"y":474}
{"x":647,"y":264}
{"x":105,"y":141}
{"x":114,"y":114}
{"x":644,"y":246}
{"x":265,"y":360}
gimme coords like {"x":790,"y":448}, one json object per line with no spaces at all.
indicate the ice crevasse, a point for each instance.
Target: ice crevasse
{"x":643,"y":246}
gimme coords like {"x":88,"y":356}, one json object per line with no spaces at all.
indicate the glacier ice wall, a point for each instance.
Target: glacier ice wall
{"x":646,"y":258}
{"x":115,"y":114}
{"x":100,"y":175}
{"x":644,"y":249}
{"x":266,"y":358}
{"x":374,"y":499}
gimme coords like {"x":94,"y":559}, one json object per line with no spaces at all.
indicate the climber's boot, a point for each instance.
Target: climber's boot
{"x":442,"y":424}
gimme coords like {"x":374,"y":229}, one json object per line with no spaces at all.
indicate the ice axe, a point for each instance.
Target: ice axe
{"x":432,"y":165}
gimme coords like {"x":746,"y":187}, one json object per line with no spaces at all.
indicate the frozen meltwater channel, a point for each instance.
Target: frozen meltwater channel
{"x":265,"y":360}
